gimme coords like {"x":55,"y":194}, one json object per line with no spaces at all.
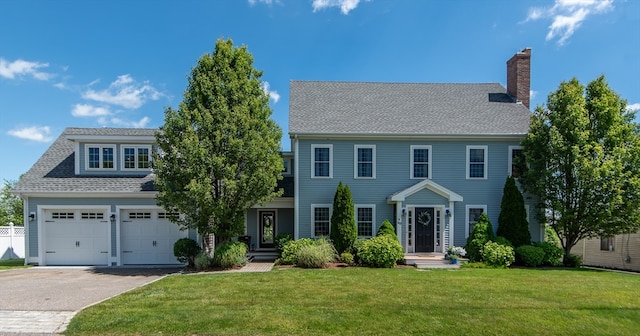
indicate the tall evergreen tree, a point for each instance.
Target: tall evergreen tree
{"x":583,"y":159}
{"x":220,"y":150}
{"x":512,"y":222}
{"x":344,"y":231}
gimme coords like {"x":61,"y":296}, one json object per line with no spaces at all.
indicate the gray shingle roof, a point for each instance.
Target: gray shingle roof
{"x":357,"y":108}
{"x":54,"y":172}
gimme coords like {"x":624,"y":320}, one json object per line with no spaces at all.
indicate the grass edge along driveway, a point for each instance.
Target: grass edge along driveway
{"x":364,"y":301}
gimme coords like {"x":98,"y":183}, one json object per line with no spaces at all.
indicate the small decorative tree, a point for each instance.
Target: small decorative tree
{"x":387,"y":228}
{"x":343,"y":223}
{"x":481,"y":234}
{"x":512,"y":222}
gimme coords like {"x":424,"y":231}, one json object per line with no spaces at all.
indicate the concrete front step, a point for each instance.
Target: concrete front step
{"x":430,"y":261}
{"x":262,"y":256}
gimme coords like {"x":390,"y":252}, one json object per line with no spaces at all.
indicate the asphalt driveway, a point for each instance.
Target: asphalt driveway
{"x":42,"y":296}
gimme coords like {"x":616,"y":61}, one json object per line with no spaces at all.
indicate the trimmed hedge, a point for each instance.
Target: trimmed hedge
{"x":381,"y":251}
{"x":552,"y":253}
{"x":498,"y":255}
{"x":186,"y":250}
{"x":530,"y":255}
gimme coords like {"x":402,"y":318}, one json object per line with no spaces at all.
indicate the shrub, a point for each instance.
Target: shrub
{"x":551,"y":236}
{"x":343,"y":221}
{"x":512,"y":222}
{"x":317,"y":255}
{"x":356,"y":247}
{"x":290,"y":251}
{"x":282,"y":239}
{"x":572,"y":260}
{"x":481,"y":234}
{"x":473,"y":265}
{"x":387,"y":228}
{"x":497,"y":255}
{"x":502,"y":241}
{"x":381,"y":251}
{"x":346,"y":257}
{"x":530,"y":255}
{"x":230,"y":254}
{"x":552,"y":253}
{"x":186,"y":250}
{"x":203,"y":261}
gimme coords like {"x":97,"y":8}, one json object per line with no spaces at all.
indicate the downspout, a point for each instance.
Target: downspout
{"x":296,"y":190}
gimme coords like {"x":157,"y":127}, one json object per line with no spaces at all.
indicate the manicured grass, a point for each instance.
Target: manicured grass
{"x":12,"y":263}
{"x":363,"y":301}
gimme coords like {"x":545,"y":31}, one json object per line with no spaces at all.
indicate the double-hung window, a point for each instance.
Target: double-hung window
{"x":420,"y":162}
{"x":365,"y":217}
{"x":321,"y":161}
{"x":136,"y":157}
{"x":321,"y":215}
{"x":516,"y":161}
{"x":100,"y":157}
{"x":365,"y":161}
{"x":607,"y":243}
{"x":477,"y":162}
{"x":473,"y":215}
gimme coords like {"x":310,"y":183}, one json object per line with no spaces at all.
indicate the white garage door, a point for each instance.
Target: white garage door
{"x":76,"y":237}
{"x":148,"y":238}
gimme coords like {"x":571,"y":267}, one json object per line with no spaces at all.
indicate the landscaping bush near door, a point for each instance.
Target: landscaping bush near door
{"x":318,"y":255}
{"x":497,"y":255}
{"x":230,"y":254}
{"x":186,"y":250}
{"x":381,"y":251}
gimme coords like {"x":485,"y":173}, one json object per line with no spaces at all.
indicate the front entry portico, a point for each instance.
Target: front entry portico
{"x":425,"y":217}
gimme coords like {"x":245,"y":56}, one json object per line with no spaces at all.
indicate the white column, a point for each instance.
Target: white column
{"x":399,"y":225}
{"x":451,"y":221}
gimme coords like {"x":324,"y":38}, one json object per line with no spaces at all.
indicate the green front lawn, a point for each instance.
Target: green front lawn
{"x":363,"y":301}
{"x":12,"y":263}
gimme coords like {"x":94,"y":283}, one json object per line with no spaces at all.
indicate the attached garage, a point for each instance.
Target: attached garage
{"x":147,"y":237}
{"x":76,"y":237}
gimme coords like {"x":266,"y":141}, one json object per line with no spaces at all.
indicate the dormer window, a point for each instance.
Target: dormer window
{"x":136,"y":157}
{"x":100,"y":157}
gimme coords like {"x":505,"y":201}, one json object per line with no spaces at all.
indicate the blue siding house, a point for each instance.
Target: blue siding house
{"x":430,"y":158}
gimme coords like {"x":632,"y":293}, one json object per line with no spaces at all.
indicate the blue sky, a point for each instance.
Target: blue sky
{"x":120,"y":63}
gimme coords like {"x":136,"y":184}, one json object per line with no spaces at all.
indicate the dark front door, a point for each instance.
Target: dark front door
{"x":267,"y":227}
{"x":424,"y":229}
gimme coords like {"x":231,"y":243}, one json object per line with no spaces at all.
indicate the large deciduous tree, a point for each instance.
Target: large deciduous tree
{"x":512,"y":222}
{"x":219,"y":151}
{"x":583,"y":158}
{"x":10,"y":205}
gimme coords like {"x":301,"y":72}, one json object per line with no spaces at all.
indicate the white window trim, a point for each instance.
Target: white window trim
{"x":373,"y":217}
{"x":313,"y":219}
{"x":101,"y":147}
{"x":373,"y":162}
{"x":429,"y":163}
{"x":287,"y":167}
{"x":466,"y":216}
{"x":313,"y":160}
{"x":136,"y":147}
{"x":486,"y":162}
{"x":510,"y":158}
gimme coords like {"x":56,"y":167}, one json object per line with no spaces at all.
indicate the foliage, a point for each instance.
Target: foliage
{"x":281,"y":240}
{"x":290,"y":251}
{"x":381,"y":251}
{"x":318,"y":255}
{"x":583,"y":158}
{"x":572,"y":260}
{"x":497,"y":255}
{"x":456,"y":251}
{"x":343,"y":223}
{"x":502,"y":241}
{"x":474,"y":265}
{"x":356,"y":247}
{"x":552,"y":253}
{"x":512,"y":222}
{"x":481,"y":234}
{"x":11,"y":207}
{"x":387,"y":228}
{"x":219,"y":151}
{"x":186,"y":250}
{"x":203,"y":261}
{"x":529,"y":255}
{"x":230,"y":254}
{"x":12,"y":263}
{"x":551,"y":236}
{"x":346,"y":257}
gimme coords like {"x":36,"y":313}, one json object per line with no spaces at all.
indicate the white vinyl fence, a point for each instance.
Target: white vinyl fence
{"x":11,"y":242}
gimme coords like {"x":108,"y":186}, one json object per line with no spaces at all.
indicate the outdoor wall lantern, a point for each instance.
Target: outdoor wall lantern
{"x":447,"y":212}
{"x":113,"y":217}
{"x":32,"y":216}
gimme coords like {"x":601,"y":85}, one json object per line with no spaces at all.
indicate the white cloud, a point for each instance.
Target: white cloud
{"x":634,"y":107}
{"x":272,"y":94}
{"x":21,"y":67}
{"x":532,"y":94}
{"x":125,"y":92}
{"x":124,"y":123}
{"x":268,"y":2}
{"x":86,"y":110}
{"x":345,"y":5}
{"x":567,"y":16}
{"x":34,"y":133}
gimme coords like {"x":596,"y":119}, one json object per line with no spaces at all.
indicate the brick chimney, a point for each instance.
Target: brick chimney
{"x":519,"y":76}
